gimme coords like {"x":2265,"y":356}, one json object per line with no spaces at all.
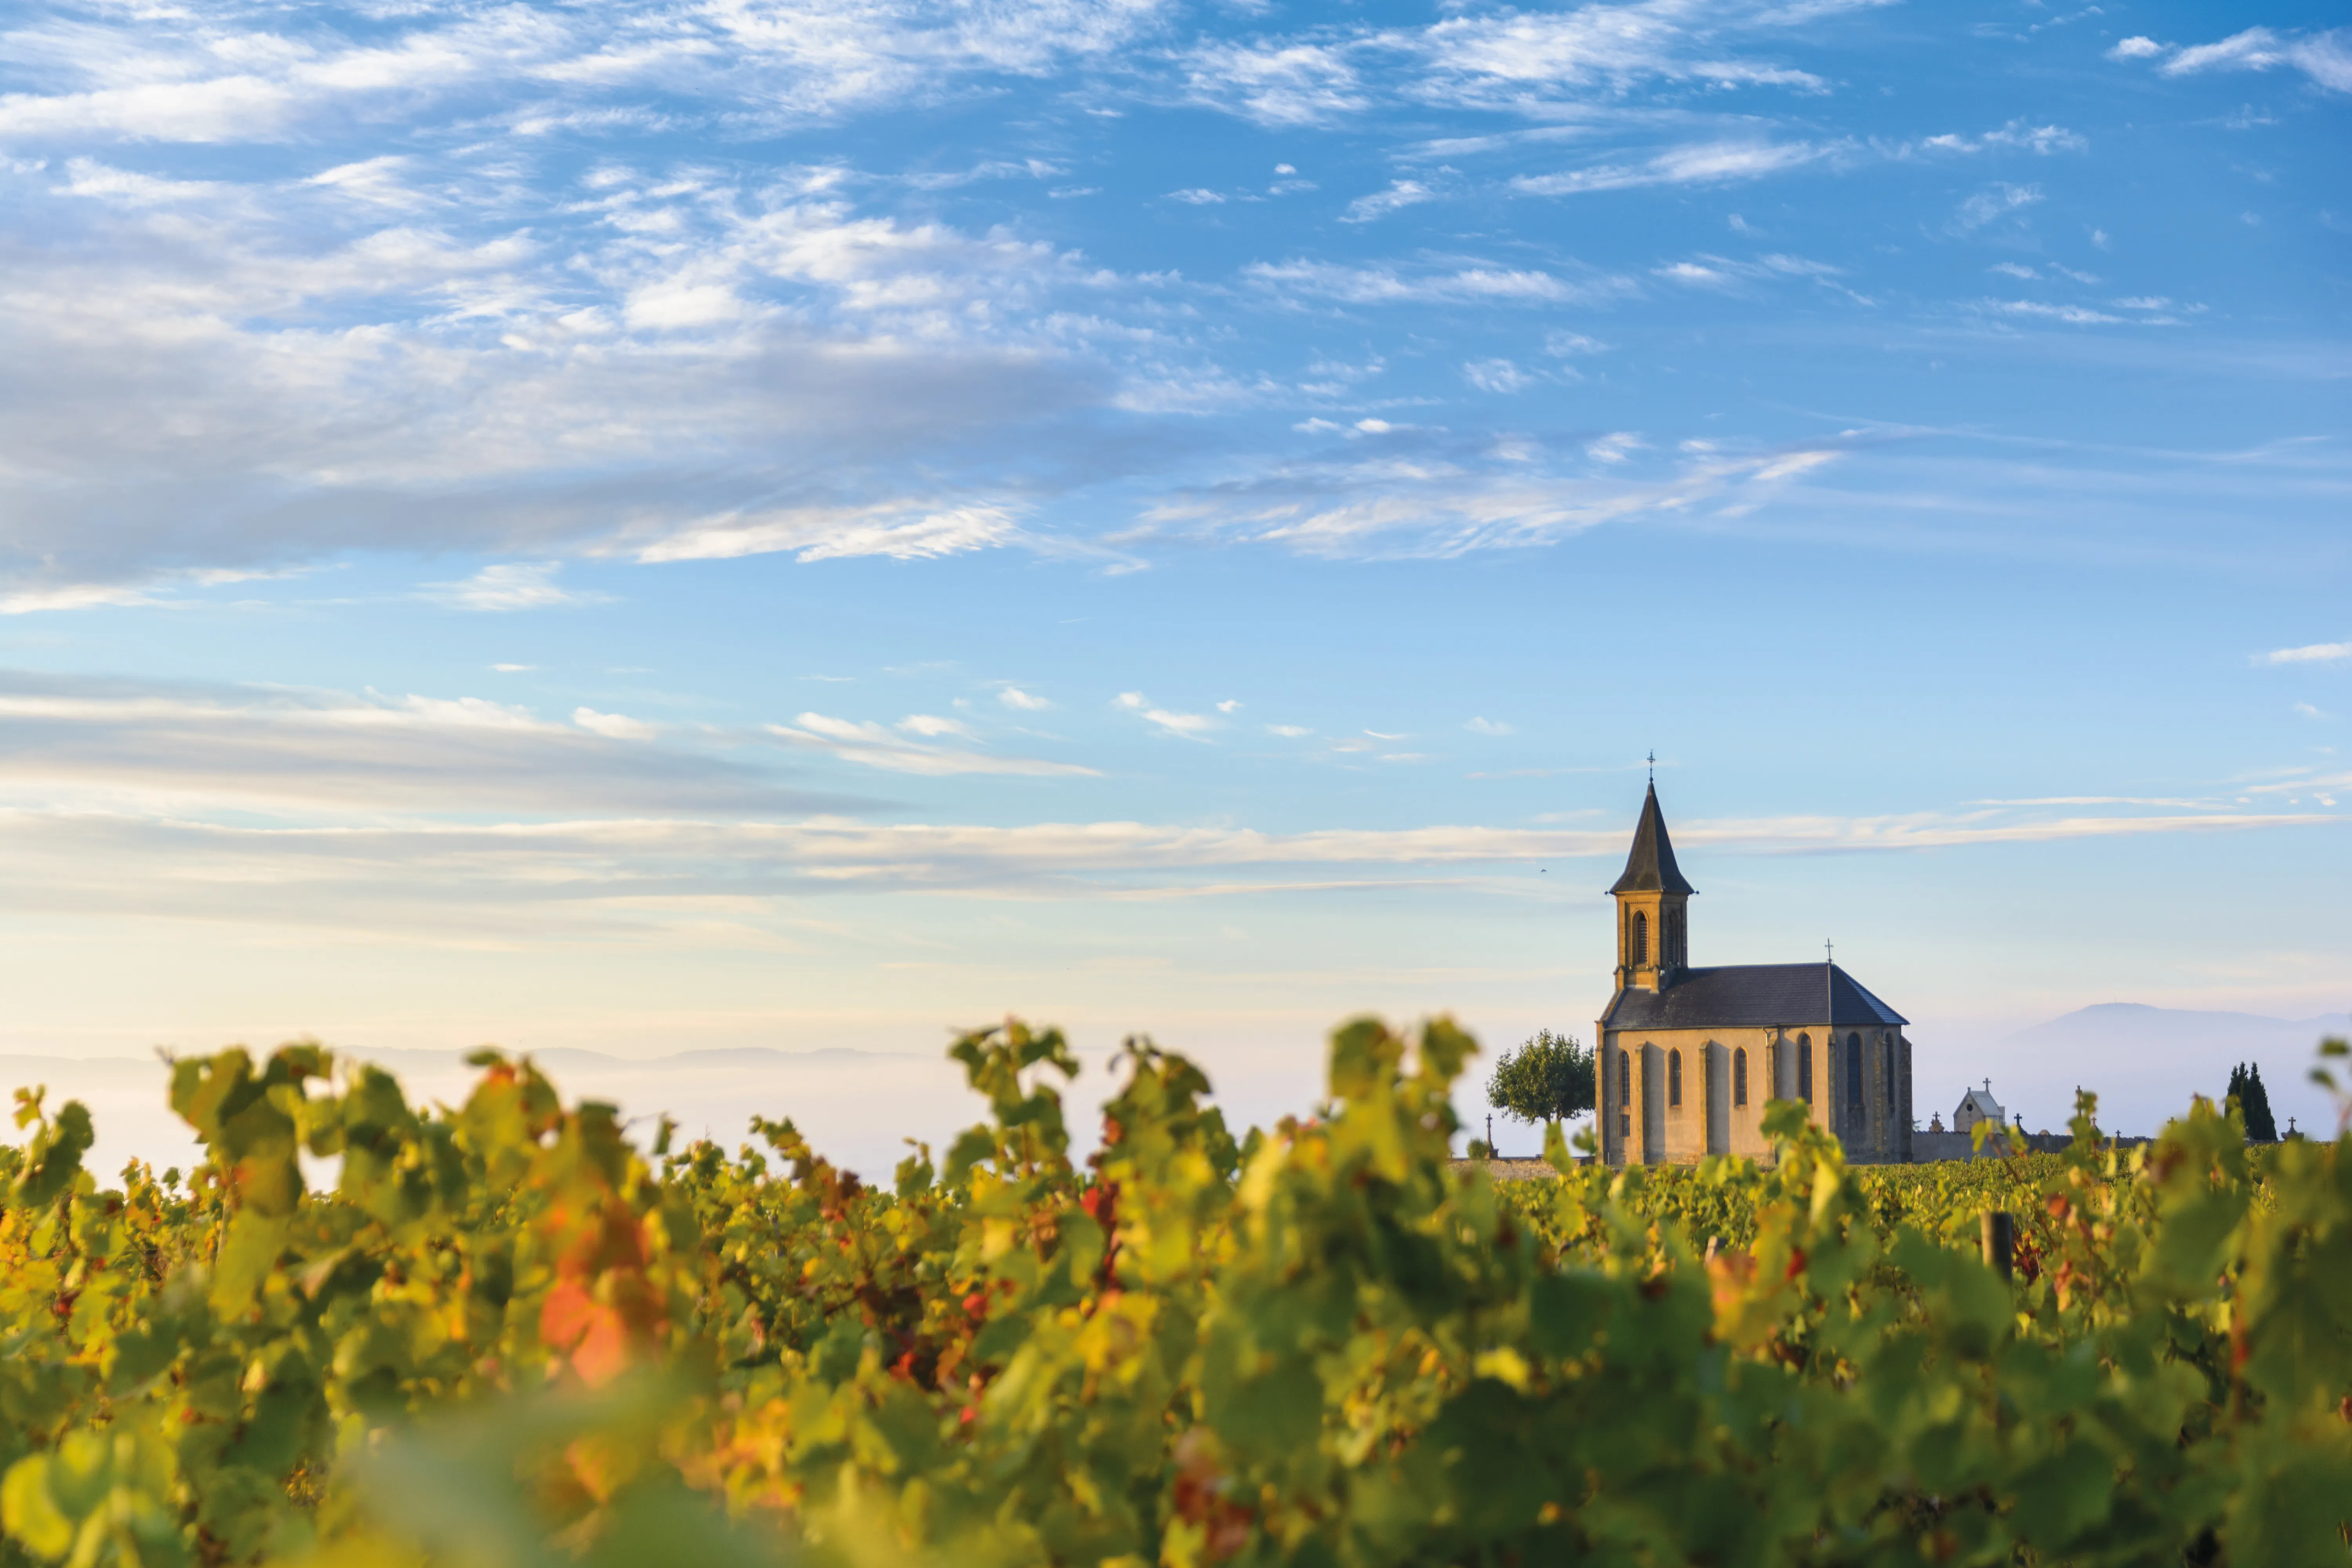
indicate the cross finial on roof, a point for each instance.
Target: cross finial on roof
{"x":1828,"y":950}
{"x":1987,"y":1086}
{"x":1654,"y":765}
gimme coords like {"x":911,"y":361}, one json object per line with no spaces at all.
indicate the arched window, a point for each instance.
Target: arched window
{"x":1805,"y":1068}
{"x":1624,"y":1091}
{"x":1739,"y":1076}
{"x":1853,"y":1070}
{"x":1641,"y":937}
{"x":1674,"y":1078}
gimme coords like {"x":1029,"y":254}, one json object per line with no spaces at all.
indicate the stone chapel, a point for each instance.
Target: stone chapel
{"x":1686,"y":1057}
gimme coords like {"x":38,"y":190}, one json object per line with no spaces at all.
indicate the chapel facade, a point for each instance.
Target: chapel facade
{"x":1686,"y":1057}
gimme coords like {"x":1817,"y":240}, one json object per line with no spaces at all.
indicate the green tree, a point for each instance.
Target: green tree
{"x":2253,"y":1102}
{"x":1546,"y":1078}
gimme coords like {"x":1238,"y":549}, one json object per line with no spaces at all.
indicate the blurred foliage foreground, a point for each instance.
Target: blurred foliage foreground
{"x":507,"y":1337}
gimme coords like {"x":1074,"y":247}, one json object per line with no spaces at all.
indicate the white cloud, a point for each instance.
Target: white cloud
{"x":1487,"y":727}
{"x":1511,"y":57}
{"x":871,"y":745}
{"x":612,"y":726}
{"x":1340,"y":505}
{"x":2308,"y":710}
{"x":2017,"y":135}
{"x":1186,"y":726}
{"x":434,"y":874}
{"x":2324,"y":58}
{"x":514,"y":379}
{"x":2310,"y":653}
{"x":1277,"y":84}
{"x":1289,"y":731}
{"x":1013,"y":696}
{"x":159,"y":748}
{"x":2078,"y":315}
{"x":931,"y":727}
{"x":89,"y":177}
{"x":510,"y":586}
{"x":1995,"y":201}
{"x":1690,"y":272}
{"x":2136,"y":48}
{"x":1386,"y":285}
{"x":514,"y":669}
{"x":896,"y":530}
{"x":1199,"y":196}
{"x":1230,"y":705}
{"x":1614,"y":448}
{"x":1700,"y":162}
{"x":378,"y":182}
{"x":447,"y":816}
{"x":2014,"y":270}
{"x":1496,"y":375}
{"x":193,"y":75}
{"x":1401,"y":194}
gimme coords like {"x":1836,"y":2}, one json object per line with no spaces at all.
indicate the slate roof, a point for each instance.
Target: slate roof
{"x":1651,"y":868}
{"x":1987,"y":1106}
{"x":1750,"y":995}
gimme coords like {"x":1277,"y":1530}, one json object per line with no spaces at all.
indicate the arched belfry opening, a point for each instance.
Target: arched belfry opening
{"x":1651,"y":898}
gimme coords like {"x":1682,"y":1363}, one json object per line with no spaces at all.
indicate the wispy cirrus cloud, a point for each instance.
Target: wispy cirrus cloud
{"x":1400,"y":194}
{"x":512,"y":585}
{"x":874,"y":746}
{"x":2325,"y":57}
{"x":206,"y":73}
{"x":1396,"y":284}
{"x":644,"y":872}
{"x":372,"y":813}
{"x":1994,"y":202}
{"x":160,"y":747}
{"x":1281,"y":83}
{"x":1431,"y":496}
{"x":1693,"y":164}
{"x":898,"y":530}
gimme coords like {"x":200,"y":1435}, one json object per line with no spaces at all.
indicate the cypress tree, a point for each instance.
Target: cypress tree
{"x":2253,"y":1102}
{"x":2260,"y":1127}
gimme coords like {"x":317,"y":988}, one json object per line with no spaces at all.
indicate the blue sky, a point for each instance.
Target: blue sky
{"x":741,"y":523}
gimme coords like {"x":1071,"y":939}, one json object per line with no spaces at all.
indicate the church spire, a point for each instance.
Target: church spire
{"x":1651,"y":868}
{"x":1652,"y":933}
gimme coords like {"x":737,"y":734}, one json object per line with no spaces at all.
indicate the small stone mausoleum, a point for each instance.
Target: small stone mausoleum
{"x":1687,"y":1056}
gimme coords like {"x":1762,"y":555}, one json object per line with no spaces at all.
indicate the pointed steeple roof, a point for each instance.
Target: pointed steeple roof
{"x":1651,"y":868}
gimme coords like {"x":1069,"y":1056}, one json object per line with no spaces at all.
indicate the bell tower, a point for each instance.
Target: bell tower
{"x":1652,"y":933}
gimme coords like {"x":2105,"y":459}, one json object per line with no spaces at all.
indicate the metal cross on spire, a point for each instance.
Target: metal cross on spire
{"x":1654,"y":767}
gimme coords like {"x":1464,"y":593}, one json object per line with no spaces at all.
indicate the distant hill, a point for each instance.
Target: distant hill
{"x":2143,"y":1062}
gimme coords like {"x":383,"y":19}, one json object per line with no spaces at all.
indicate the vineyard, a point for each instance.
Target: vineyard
{"x":506,"y":1337}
